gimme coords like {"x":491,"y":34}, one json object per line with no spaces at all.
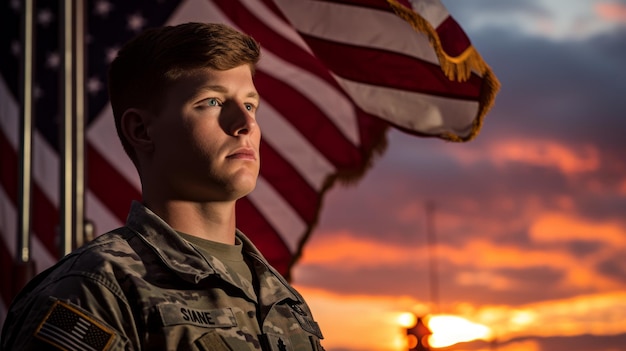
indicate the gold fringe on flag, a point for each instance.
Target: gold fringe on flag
{"x":455,"y":68}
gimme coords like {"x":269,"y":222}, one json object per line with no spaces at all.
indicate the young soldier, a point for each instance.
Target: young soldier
{"x":179,"y":275}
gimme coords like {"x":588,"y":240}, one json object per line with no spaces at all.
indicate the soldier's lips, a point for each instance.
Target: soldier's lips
{"x":243,"y":154}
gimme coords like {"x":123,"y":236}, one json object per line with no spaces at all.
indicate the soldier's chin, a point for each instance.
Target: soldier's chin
{"x":246,"y":193}
{"x":243,"y":187}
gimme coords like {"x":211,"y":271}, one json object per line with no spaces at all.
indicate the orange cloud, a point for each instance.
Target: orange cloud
{"x":344,"y":250}
{"x":611,"y":11}
{"x":558,"y":227}
{"x":548,"y":154}
{"x":481,"y":253}
{"x":600,"y":314}
{"x":478,"y":258}
{"x":481,"y":256}
{"x":543,"y":153}
{"x":555,"y":227}
{"x":376,"y":319}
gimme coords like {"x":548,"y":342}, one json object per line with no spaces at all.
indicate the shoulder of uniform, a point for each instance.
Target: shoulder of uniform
{"x":100,"y":257}
{"x":100,"y":262}
{"x":110,"y":249}
{"x":115,"y":235}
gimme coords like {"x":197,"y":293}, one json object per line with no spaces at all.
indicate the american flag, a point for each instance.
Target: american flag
{"x":70,"y":329}
{"x":333,"y":76}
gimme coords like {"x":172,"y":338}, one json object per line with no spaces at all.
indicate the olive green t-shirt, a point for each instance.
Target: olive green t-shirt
{"x":230,"y":255}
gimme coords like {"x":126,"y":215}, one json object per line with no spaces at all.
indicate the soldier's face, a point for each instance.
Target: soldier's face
{"x":206,"y":138}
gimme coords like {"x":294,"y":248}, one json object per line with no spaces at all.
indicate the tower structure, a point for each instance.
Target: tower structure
{"x":418,"y":336}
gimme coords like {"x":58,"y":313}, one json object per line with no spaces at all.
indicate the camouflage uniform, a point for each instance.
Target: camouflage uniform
{"x":142,"y":287}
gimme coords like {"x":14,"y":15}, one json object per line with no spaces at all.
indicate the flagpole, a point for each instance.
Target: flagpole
{"x":24,"y":266}
{"x":72,"y":168}
{"x":79,"y":99}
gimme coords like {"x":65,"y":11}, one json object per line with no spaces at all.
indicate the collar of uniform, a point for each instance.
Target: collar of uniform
{"x":175,"y":252}
{"x":272,"y":285}
{"x":191,"y":266}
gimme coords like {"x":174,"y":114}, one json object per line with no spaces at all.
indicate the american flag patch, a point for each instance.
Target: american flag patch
{"x":67,"y":328}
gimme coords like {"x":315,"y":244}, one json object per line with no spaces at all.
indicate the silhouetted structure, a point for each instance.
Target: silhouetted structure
{"x":418,"y":336}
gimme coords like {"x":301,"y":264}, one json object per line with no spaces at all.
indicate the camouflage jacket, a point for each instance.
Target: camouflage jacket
{"x":142,"y":287}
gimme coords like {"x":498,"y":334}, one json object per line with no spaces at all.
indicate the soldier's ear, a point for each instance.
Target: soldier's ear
{"x":134,"y":125}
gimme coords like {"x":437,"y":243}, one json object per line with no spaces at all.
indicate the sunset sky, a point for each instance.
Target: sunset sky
{"x":529,"y":217}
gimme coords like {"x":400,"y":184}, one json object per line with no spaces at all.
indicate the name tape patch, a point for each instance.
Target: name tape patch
{"x":174,"y":314}
{"x":68,"y":328}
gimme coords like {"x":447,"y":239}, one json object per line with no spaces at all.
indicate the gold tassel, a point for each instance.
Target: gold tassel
{"x":455,"y":68}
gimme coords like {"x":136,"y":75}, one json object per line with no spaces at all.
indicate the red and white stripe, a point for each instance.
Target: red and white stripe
{"x":388,"y":69}
{"x":44,"y":192}
{"x":322,"y":82}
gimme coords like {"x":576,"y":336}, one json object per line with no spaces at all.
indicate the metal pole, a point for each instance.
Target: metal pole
{"x":25,"y":267}
{"x":72,"y":134}
{"x":67,"y":141}
{"x":79,"y":99}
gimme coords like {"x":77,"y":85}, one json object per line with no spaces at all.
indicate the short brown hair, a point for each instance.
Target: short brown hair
{"x":149,"y":63}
